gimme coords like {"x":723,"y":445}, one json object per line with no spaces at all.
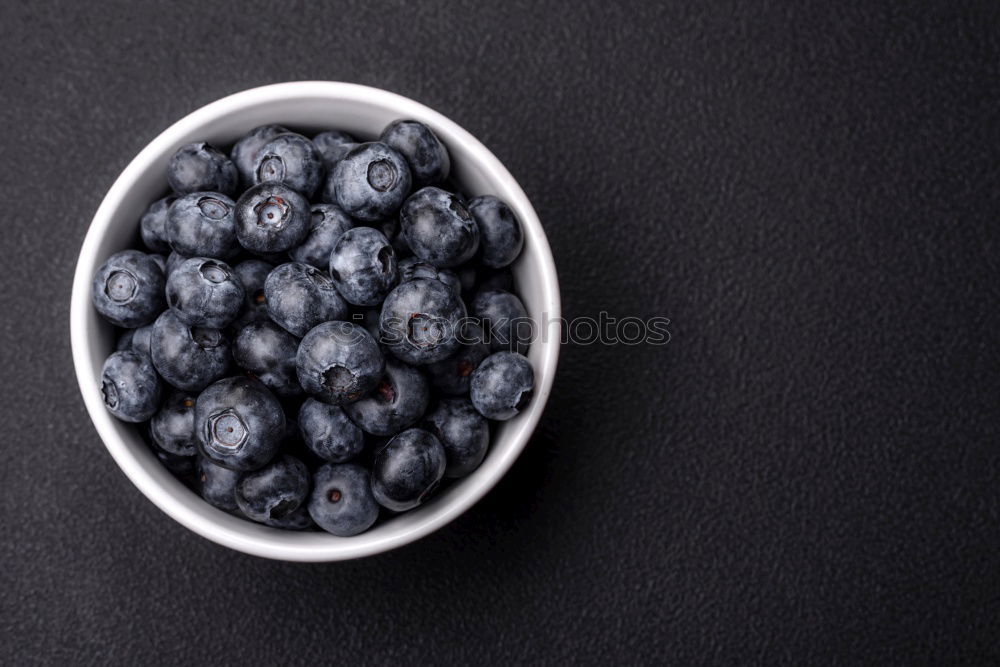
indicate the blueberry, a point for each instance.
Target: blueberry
{"x":252,"y":274}
{"x":439,"y":228}
{"x":371,"y":181}
{"x":504,"y":319}
{"x":141,"y":339}
{"x":267,"y":352}
{"x":245,"y":152}
{"x":205,"y":293}
{"x":290,"y":159}
{"x":341,"y":501}
{"x":425,"y":154}
{"x":452,"y":376}
{"x":172,"y":428}
{"x":419,"y":321}
{"x":174,"y":259}
{"x":328,"y":433}
{"x":332,"y":146}
{"x":202,"y":224}
{"x":363,"y":266}
{"x":502,"y":385}
{"x":327,"y":223}
{"x":153,"y":225}
{"x":130,"y":386}
{"x":274,"y":491}
{"x":413,"y":268}
{"x":500,"y":235}
{"x":463,"y":432}
{"x":239,"y":423}
{"x":271,"y":217}
{"x":188,"y":358}
{"x":300,"y":296}
{"x":216,"y":484}
{"x":128,"y":289}
{"x":407,"y":470}
{"x":199,"y":167}
{"x":339,"y":362}
{"x":398,"y":401}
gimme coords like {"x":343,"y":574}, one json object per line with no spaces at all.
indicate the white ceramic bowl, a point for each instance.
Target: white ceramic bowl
{"x":308,"y":106}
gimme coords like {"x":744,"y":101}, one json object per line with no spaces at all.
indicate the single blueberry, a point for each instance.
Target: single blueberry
{"x":371,"y":181}
{"x":425,"y":154}
{"x":252,"y":274}
{"x":420,"y":320}
{"x":128,"y":289}
{"x":153,"y":225}
{"x":463,"y":432}
{"x":130,"y":387}
{"x":332,"y":146}
{"x":267,"y":352}
{"x":188,"y":358}
{"x":217,"y":484}
{"x":439,"y":228}
{"x":407,"y":470}
{"x":271,"y":217}
{"x":502,"y":385}
{"x":413,"y":268}
{"x":500,"y":235}
{"x":274,"y":491}
{"x":363,"y":266}
{"x":339,"y":362}
{"x":328,"y":433}
{"x":205,"y":293}
{"x":341,"y":501}
{"x":245,"y":151}
{"x":161,"y":261}
{"x":327,"y":223}
{"x":290,"y":159}
{"x":239,"y":423}
{"x":199,"y":167}
{"x":452,"y":376}
{"x":398,"y":401}
{"x":300,"y":296}
{"x":504,"y":319}
{"x":202,"y":224}
{"x":172,"y":428}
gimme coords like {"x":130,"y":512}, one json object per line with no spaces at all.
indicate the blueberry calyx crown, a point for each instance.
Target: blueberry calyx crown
{"x":272,"y":168}
{"x":110,"y":394}
{"x":382,"y":175}
{"x":227,"y":430}
{"x":213,"y":272}
{"x":213,"y":208}
{"x":121,"y":286}
{"x":272,"y":212}
{"x":424,"y":330}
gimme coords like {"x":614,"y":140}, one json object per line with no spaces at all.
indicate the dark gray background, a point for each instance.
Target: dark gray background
{"x":807,"y":473}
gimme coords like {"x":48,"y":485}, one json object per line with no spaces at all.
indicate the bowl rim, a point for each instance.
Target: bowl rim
{"x":256,"y":542}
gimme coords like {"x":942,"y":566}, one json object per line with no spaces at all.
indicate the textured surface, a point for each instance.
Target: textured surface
{"x":807,"y":473}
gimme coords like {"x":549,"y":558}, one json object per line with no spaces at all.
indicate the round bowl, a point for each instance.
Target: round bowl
{"x":308,"y":106}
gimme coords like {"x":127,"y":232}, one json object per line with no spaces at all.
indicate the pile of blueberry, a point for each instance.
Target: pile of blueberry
{"x":321,"y":328}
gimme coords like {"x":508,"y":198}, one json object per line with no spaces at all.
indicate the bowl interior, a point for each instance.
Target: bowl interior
{"x":308,"y":107}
